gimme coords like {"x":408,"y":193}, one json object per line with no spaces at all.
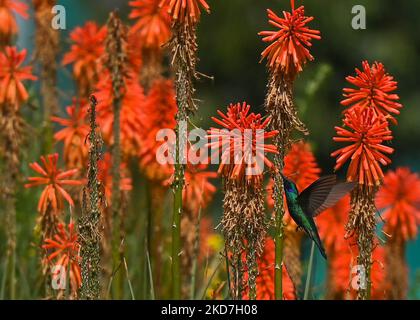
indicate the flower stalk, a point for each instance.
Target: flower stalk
{"x":286,"y":55}
{"x":183,"y":46}
{"x":244,"y":225}
{"x":12,"y":129}
{"x":89,"y":226}
{"x":46,"y":51}
{"x":366,"y":129}
{"x":115,"y":62}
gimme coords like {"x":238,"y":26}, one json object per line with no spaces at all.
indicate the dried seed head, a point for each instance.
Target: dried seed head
{"x":116,"y":57}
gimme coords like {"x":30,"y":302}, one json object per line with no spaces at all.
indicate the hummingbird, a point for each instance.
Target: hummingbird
{"x":319,"y":196}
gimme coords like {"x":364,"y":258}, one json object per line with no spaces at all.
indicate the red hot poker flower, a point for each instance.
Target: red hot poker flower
{"x":242,"y":154}
{"x":85,"y":53}
{"x":160,"y":110}
{"x":288,"y":51}
{"x":198,"y":190}
{"x":153,"y":24}
{"x":66,"y":253}
{"x":74,"y":134}
{"x":12,"y":73}
{"x":55,"y":180}
{"x":400,"y":197}
{"x":8,"y":25}
{"x":365,"y":134}
{"x":131,"y":121}
{"x":185,"y":11}
{"x":374,"y":90}
{"x":343,"y":275}
{"x":300,"y":165}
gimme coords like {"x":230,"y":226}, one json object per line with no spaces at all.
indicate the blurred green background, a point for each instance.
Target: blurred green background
{"x":230,"y":51}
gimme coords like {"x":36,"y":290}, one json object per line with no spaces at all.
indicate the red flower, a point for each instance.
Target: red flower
{"x":105,"y":176}
{"x":198,"y":190}
{"x":265,"y":279}
{"x":8,"y":25}
{"x":160,"y":110}
{"x":374,"y":90}
{"x":366,"y":134}
{"x":242,"y":155}
{"x":185,"y":11}
{"x":85,"y":53}
{"x":331,"y":225}
{"x":300,"y":166}
{"x":66,"y":253}
{"x":12,"y":73}
{"x":400,"y":197}
{"x":288,"y":51}
{"x":344,"y":276}
{"x":131,"y":122}
{"x":55,"y":180}
{"x":74,"y":134}
{"x":153,"y":24}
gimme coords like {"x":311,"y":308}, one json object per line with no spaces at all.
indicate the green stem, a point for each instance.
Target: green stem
{"x":195,"y":257}
{"x":148,"y":239}
{"x":228,"y":273}
{"x":278,"y":275}
{"x":309,"y":276}
{"x":279,"y":235}
{"x":176,"y":229}
{"x":117,"y":248}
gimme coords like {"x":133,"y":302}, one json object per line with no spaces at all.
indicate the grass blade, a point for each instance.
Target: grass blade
{"x":149,"y":267}
{"x":309,"y":276}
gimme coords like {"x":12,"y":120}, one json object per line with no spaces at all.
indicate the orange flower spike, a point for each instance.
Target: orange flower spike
{"x":375,"y":89}
{"x":399,"y":197}
{"x":12,"y":73}
{"x":66,"y":248}
{"x":153,"y":23}
{"x":366,"y":152}
{"x":55,"y":180}
{"x":8,"y":25}
{"x":132,"y":121}
{"x":185,"y":11}
{"x":288,"y":51}
{"x":301,"y":166}
{"x":160,"y":110}
{"x":342,"y":263}
{"x":87,"y":48}
{"x":74,"y":134}
{"x":234,"y":144}
{"x":198,"y":190}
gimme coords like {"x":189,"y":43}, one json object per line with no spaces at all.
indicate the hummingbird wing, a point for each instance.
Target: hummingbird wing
{"x":337,"y":192}
{"x":322,"y":194}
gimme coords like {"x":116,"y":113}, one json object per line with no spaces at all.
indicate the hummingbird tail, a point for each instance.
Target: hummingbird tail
{"x":315,"y":237}
{"x":321,"y":249}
